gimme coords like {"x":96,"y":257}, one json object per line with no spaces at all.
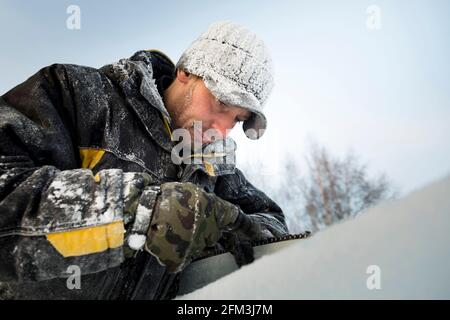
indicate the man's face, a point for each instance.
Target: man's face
{"x":205,"y":117}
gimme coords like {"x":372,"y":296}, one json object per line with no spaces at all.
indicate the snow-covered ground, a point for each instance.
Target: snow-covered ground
{"x":402,"y":247}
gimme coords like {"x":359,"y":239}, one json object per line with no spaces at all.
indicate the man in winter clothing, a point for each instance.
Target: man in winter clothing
{"x":88,"y":181}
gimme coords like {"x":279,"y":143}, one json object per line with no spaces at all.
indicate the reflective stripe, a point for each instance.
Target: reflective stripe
{"x":88,"y":240}
{"x":209,"y":168}
{"x":166,"y":122}
{"x":90,"y":157}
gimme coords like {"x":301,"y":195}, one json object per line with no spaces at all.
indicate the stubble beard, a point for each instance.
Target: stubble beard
{"x":182,"y":121}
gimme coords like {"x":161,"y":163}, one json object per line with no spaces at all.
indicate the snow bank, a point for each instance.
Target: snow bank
{"x":408,"y":239}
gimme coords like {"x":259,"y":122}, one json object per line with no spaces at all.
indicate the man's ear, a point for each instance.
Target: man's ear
{"x":183,"y":76}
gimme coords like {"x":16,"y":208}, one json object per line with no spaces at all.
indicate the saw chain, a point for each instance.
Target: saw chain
{"x":209,"y":252}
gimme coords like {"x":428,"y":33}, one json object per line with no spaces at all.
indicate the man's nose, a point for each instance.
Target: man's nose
{"x":214,"y":133}
{"x":222,"y":127}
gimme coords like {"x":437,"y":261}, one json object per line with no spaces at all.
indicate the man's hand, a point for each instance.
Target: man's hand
{"x":256,"y":227}
{"x":134,"y":184}
{"x":186,"y":219}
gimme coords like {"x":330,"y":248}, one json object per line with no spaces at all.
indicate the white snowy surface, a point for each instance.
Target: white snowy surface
{"x":408,"y":239}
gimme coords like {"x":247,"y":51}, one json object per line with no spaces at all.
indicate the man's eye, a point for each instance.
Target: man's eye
{"x":220,"y":103}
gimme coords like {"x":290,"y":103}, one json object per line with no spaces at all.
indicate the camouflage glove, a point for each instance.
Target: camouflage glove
{"x":257,"y":226}
{"x":139,"y":197}
{"x":247,"y":228}
{"x":186,"y":219}
{"x":133,"y":185}
{"x":241,"y":249}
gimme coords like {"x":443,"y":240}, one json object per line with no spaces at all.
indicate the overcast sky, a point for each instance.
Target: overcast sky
{"x":380,"y":88}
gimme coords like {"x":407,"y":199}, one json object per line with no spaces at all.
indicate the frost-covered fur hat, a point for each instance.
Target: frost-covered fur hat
{"x":236,"y":67}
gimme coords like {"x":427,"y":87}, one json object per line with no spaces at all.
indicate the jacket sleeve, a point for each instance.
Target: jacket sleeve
{"x":236,"y":189}
{"x":53,"y":215}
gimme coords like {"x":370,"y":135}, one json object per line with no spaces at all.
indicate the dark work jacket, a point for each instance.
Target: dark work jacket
{"x":67,"y":136}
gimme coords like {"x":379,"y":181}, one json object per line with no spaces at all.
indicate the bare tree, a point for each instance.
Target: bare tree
{"x":337,"y":189}
{"x":332,"y":189}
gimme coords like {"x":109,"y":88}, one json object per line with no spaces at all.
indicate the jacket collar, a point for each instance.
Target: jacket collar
{"x":143,"y":78}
